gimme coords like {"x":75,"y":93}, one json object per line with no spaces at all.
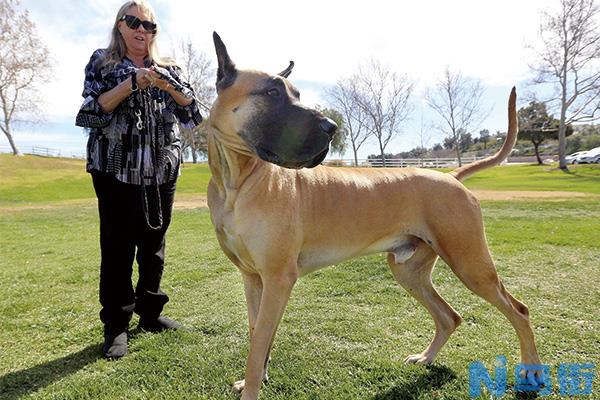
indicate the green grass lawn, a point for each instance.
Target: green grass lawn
{"x":346,"y":329}
{"x":32,"y":180}
{"x":580,"y":178}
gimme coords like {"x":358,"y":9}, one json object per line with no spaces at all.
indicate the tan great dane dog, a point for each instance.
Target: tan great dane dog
{"x":277,"y":221}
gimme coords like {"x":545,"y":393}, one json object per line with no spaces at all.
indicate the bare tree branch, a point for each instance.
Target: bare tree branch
{"x":24,"y":64}
{"x":458,"y":102}
{"x":199,"y":73}
{"x":342,"y":97}
{"x":570,"y":60}
{"x":384,"y":97}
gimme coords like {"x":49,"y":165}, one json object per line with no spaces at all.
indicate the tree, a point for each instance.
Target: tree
{"x":457,"y":101}
{"x":484,"y":137}
{"x":198,"y":72}
{"x":568,"y":61}
{"x":338,"y":143}
{"x":417,"y":152}
{"x":536,"y":125}
{"x":450,"y":142}
{"x":23,"y":66}
{"x":383,"y":96}
{"x":343,"y":98}
{"x":466,"y":141}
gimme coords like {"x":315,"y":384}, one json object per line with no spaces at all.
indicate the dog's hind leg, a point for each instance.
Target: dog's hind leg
{"x":414,"y":275}
{"x":474,"y":266}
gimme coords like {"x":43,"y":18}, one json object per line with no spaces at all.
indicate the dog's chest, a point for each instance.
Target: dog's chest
{"x":230,"y":239}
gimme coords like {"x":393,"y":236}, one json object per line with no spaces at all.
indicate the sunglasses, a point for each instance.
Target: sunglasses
{"x":134,"y":23}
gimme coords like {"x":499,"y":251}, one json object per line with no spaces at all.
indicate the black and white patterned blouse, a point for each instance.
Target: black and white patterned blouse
{"x":118,"y":143}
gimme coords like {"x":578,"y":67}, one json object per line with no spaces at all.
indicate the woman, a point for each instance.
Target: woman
{"x":133,"y":99}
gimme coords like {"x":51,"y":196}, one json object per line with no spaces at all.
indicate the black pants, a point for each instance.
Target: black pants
{"x":123,"y":229}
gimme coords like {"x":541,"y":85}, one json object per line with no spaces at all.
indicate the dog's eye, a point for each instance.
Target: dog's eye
{"x":272,"y":92}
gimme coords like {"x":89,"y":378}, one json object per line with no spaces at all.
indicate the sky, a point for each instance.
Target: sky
{"x":328,"y":40}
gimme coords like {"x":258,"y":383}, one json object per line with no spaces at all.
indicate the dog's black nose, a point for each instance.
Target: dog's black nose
{"x":328,"y":126}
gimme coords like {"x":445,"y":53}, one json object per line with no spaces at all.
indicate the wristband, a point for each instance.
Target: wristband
{"x":134,"y":85}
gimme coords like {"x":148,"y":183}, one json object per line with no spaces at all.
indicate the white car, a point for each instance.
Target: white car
{"x":590,"y":156}
{"x":571,"y":158}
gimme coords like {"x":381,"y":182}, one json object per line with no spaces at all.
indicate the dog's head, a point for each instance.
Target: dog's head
{"x":265,"y":112}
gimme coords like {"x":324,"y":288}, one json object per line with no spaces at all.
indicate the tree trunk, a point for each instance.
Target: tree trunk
{"x":355,"y":155}
{"x":537,"y":154}
{"x":562,"y":143}
{"x":382,"y":155}
{"x":456,"y":137}
{"x":562,"y":127}
{"x":193,"y":146}
{"x":11,"y":141}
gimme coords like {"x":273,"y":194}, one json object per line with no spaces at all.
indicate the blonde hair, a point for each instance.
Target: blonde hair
{"x":116,"y":50}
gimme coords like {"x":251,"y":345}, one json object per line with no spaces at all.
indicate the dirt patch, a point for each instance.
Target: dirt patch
{"x":49,"y":206}
{"x":190,"y":202}
{"x":199,"y":201}
{"x":181,"y":203}
{"x":526,"y":194}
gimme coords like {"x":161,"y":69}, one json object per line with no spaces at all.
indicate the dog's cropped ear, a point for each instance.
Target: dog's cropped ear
{"x":226,"y":72}
{"x":286,"y":72}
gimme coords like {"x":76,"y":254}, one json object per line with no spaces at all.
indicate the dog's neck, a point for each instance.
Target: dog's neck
{"x":230,"y":162}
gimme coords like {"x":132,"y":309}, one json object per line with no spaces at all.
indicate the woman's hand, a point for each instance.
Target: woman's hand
{"x":158,"y":81}
{"x":145,"y":77}
{"x":162,"y":83}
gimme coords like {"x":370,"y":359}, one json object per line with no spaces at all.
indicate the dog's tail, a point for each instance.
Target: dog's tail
{"x":511,"y":138}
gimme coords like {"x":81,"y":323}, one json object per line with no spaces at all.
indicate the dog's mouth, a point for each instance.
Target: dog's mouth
{"x":318,"y":159}
{"x":269,"y":156}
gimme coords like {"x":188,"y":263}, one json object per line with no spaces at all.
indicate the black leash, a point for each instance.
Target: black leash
{"x":146,"y":110}
{"x":143,"y":125}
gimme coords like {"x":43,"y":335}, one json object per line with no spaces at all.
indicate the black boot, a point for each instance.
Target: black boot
{"x":159,"y":324}
{"x":115,"y":344}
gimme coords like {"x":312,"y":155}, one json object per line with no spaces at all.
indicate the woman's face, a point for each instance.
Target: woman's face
{"x":137,"y":40}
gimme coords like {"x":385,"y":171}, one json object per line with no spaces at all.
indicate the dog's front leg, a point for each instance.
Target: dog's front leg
{"x":275,"y":294}
{"x":253,"y":291}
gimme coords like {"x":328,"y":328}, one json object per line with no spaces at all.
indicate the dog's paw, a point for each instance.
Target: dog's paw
{"x":239,"y":386}
{"x":418,"y":359}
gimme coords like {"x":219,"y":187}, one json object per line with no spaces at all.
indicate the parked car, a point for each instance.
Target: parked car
{"x":590,"y":156}
{"x":571,"y":158}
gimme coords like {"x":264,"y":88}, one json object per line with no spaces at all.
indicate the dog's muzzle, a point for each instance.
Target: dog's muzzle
{"x":304,"y":147}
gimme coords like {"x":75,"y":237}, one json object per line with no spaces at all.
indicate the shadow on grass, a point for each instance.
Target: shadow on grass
{"x":434,"y":379}
{"x":20,"y":383}
{"x":526,"y":395}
